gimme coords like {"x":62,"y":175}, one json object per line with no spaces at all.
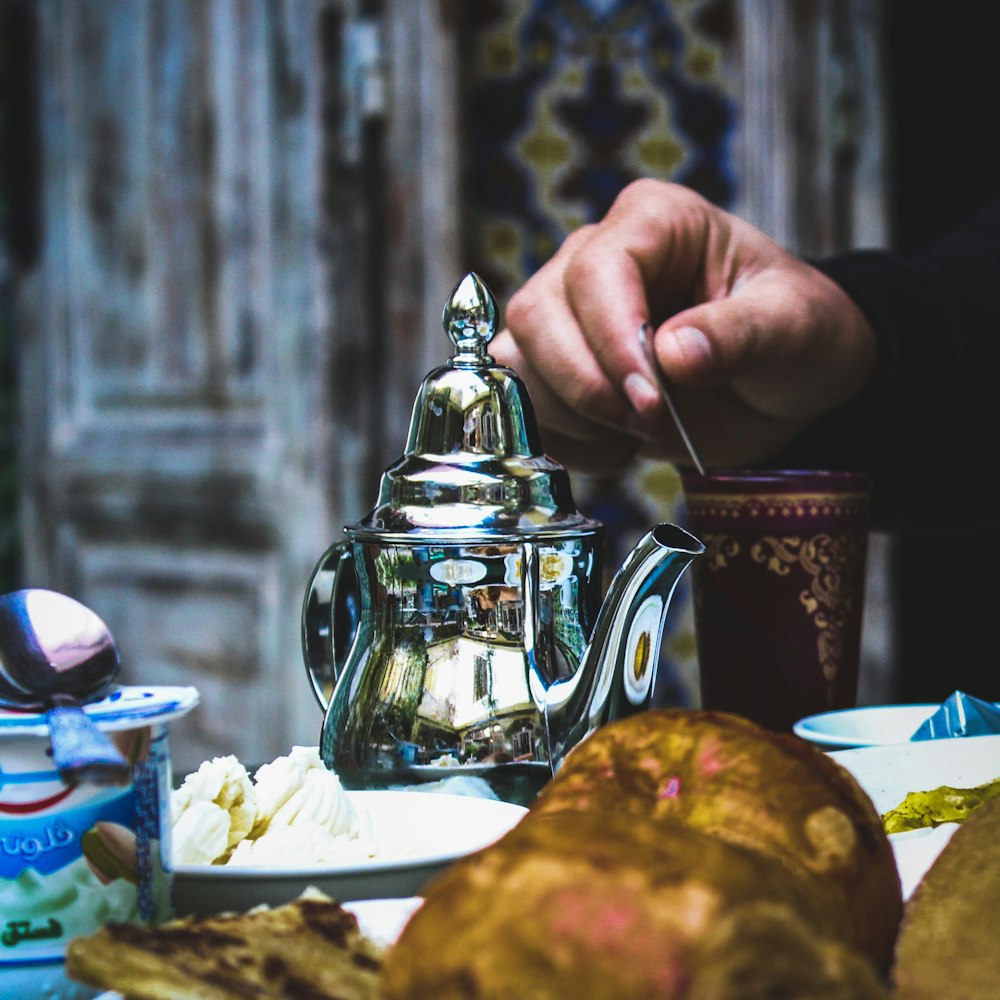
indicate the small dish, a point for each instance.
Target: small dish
{"x":875,"y":725}
{"x":888,"y":773}
{"x":420,"y":834}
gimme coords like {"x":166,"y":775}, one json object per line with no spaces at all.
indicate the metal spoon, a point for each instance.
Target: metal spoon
{"x":55,"y":654}
{"x":646,"y":339}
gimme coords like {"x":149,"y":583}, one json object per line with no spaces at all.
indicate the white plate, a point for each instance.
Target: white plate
{"x":877,"y":725}
{"x":383,"y":920}
{"x":888,"y":773}
{"x":419,"y":833}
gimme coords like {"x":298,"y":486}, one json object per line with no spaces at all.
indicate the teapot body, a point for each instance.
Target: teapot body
{"x":454,"y":646}
{"x":459,"y":630}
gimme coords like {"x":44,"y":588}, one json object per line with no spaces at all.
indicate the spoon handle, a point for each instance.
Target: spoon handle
{"x":646,"y":339}
{"x":81,"y":752}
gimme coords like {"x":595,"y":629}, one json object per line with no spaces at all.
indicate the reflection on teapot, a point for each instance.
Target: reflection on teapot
{"x":460,"y":624}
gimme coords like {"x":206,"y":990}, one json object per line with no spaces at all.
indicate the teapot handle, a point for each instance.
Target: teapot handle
{"x":329,"y":618}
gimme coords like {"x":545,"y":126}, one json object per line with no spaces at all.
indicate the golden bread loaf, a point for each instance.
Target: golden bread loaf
{"x":676,"y":854}
{"x":596,"y":906}
{"x":768,"y":791}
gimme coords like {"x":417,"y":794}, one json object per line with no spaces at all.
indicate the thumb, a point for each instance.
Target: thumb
{"x":712,"y":342}
{"x":790,"y":343}
{"x":771,"y":323}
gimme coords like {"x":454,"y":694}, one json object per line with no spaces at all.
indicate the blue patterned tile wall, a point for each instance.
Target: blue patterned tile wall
{"x":566,"y":102}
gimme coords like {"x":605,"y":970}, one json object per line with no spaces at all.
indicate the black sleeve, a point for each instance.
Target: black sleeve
{"x":928,"y":422}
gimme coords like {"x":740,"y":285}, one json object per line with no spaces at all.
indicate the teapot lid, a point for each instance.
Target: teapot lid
{"x":473,"y":465}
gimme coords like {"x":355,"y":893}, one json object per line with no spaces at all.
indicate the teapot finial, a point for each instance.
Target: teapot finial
{"x":470,"y":318}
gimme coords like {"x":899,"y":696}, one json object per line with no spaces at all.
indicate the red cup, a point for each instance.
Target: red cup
{"x":779,"y":591}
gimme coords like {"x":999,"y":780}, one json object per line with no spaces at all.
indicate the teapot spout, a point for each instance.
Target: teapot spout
{"x":617,"y":674}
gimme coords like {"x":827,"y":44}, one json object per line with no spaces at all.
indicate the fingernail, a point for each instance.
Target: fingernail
{"x":689,"y":341}
{"x":641,"y":394}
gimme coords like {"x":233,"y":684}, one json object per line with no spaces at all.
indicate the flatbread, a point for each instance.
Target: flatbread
{"x":309,"y":948}
{"x":947,"y":944}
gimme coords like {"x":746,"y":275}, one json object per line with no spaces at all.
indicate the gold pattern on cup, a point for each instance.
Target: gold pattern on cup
{"x":827,"y":561}
{"x":737,"y":505}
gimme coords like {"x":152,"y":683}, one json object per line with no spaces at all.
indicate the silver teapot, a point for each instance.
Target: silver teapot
{"x":459,"y":628}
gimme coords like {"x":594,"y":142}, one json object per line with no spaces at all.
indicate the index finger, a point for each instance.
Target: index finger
{"x":546,"y":333}
{"x":641,"y":258}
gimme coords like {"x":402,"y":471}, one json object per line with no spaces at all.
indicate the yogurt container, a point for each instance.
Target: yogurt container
{"x":74,"y":856}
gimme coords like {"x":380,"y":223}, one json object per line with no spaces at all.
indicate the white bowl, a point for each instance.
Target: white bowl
{"x":876,"y":725}
{"x":420,"y":835}
{"x":888,"y":773}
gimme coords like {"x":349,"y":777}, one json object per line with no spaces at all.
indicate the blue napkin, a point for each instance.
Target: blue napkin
{"x":960,"y":715}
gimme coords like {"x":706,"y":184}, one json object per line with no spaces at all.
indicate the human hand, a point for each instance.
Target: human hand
{"x":755,"y":342}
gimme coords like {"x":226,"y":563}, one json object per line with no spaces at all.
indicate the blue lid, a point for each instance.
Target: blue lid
{"x":124,"y":708}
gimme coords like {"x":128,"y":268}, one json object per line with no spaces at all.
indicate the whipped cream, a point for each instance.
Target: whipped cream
{"x":308,"y":843}
{"x":212,"y":811}
{"x":294,"y":808}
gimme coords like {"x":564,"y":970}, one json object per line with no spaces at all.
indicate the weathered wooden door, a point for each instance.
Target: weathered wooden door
{"x":234,"y":267}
